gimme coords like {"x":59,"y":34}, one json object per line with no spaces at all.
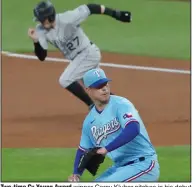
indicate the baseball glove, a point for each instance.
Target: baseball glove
{"x":91,"y":161}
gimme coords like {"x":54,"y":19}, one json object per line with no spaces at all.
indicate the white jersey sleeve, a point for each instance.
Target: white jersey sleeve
{"x":41,"y":36}
{"x":77,"y":15}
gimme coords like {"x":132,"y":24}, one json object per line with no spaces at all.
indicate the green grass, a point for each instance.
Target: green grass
{"x":48,"y":165}
{"x":159,"y":28}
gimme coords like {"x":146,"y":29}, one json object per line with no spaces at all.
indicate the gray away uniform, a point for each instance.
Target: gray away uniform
{"x":71,"y":40}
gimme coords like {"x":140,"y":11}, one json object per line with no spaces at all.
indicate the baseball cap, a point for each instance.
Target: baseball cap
{"x":94,"y":78}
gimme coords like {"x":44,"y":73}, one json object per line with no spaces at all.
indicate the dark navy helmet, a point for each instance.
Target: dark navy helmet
{"x":44,"y":10}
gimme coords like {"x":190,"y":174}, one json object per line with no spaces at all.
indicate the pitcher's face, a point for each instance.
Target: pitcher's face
{"x":101,"y":93}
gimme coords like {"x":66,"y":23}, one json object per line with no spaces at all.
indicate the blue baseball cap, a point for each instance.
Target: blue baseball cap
{"x":94,"y":78}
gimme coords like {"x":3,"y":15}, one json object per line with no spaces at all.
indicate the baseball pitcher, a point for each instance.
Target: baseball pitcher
{"x":115,"y":129}
{"x":64,"y":32}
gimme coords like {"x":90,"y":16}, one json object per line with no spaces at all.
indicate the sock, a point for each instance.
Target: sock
{"x":76,"y":89}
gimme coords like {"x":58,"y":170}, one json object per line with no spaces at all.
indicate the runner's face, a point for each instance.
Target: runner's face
{"x":48,"y":25}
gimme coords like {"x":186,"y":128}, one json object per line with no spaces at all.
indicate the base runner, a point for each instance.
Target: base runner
{"x":64,"y":32}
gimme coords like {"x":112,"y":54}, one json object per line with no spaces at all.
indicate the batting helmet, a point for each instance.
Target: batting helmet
{"x":44,"y":10}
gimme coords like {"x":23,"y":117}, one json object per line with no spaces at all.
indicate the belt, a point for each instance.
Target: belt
{"x":134,"y":161}
{"x":91,"y":43}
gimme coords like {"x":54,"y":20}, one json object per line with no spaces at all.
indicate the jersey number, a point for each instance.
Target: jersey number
{"x":73,"y":44}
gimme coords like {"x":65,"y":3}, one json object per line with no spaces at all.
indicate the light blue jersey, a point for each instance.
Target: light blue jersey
{"x":99,"y":129}
{"x":135,"y":160}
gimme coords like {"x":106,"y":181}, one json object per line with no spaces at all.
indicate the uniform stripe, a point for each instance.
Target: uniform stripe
{"x":131,"y":120}
{"x":81,"y":148}
{"x":141,"y":173}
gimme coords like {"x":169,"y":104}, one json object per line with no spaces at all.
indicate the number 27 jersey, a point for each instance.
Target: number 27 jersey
{"x":67,"y":35}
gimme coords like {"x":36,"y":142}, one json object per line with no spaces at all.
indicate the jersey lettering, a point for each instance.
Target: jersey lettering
{"x":102,"y":132}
